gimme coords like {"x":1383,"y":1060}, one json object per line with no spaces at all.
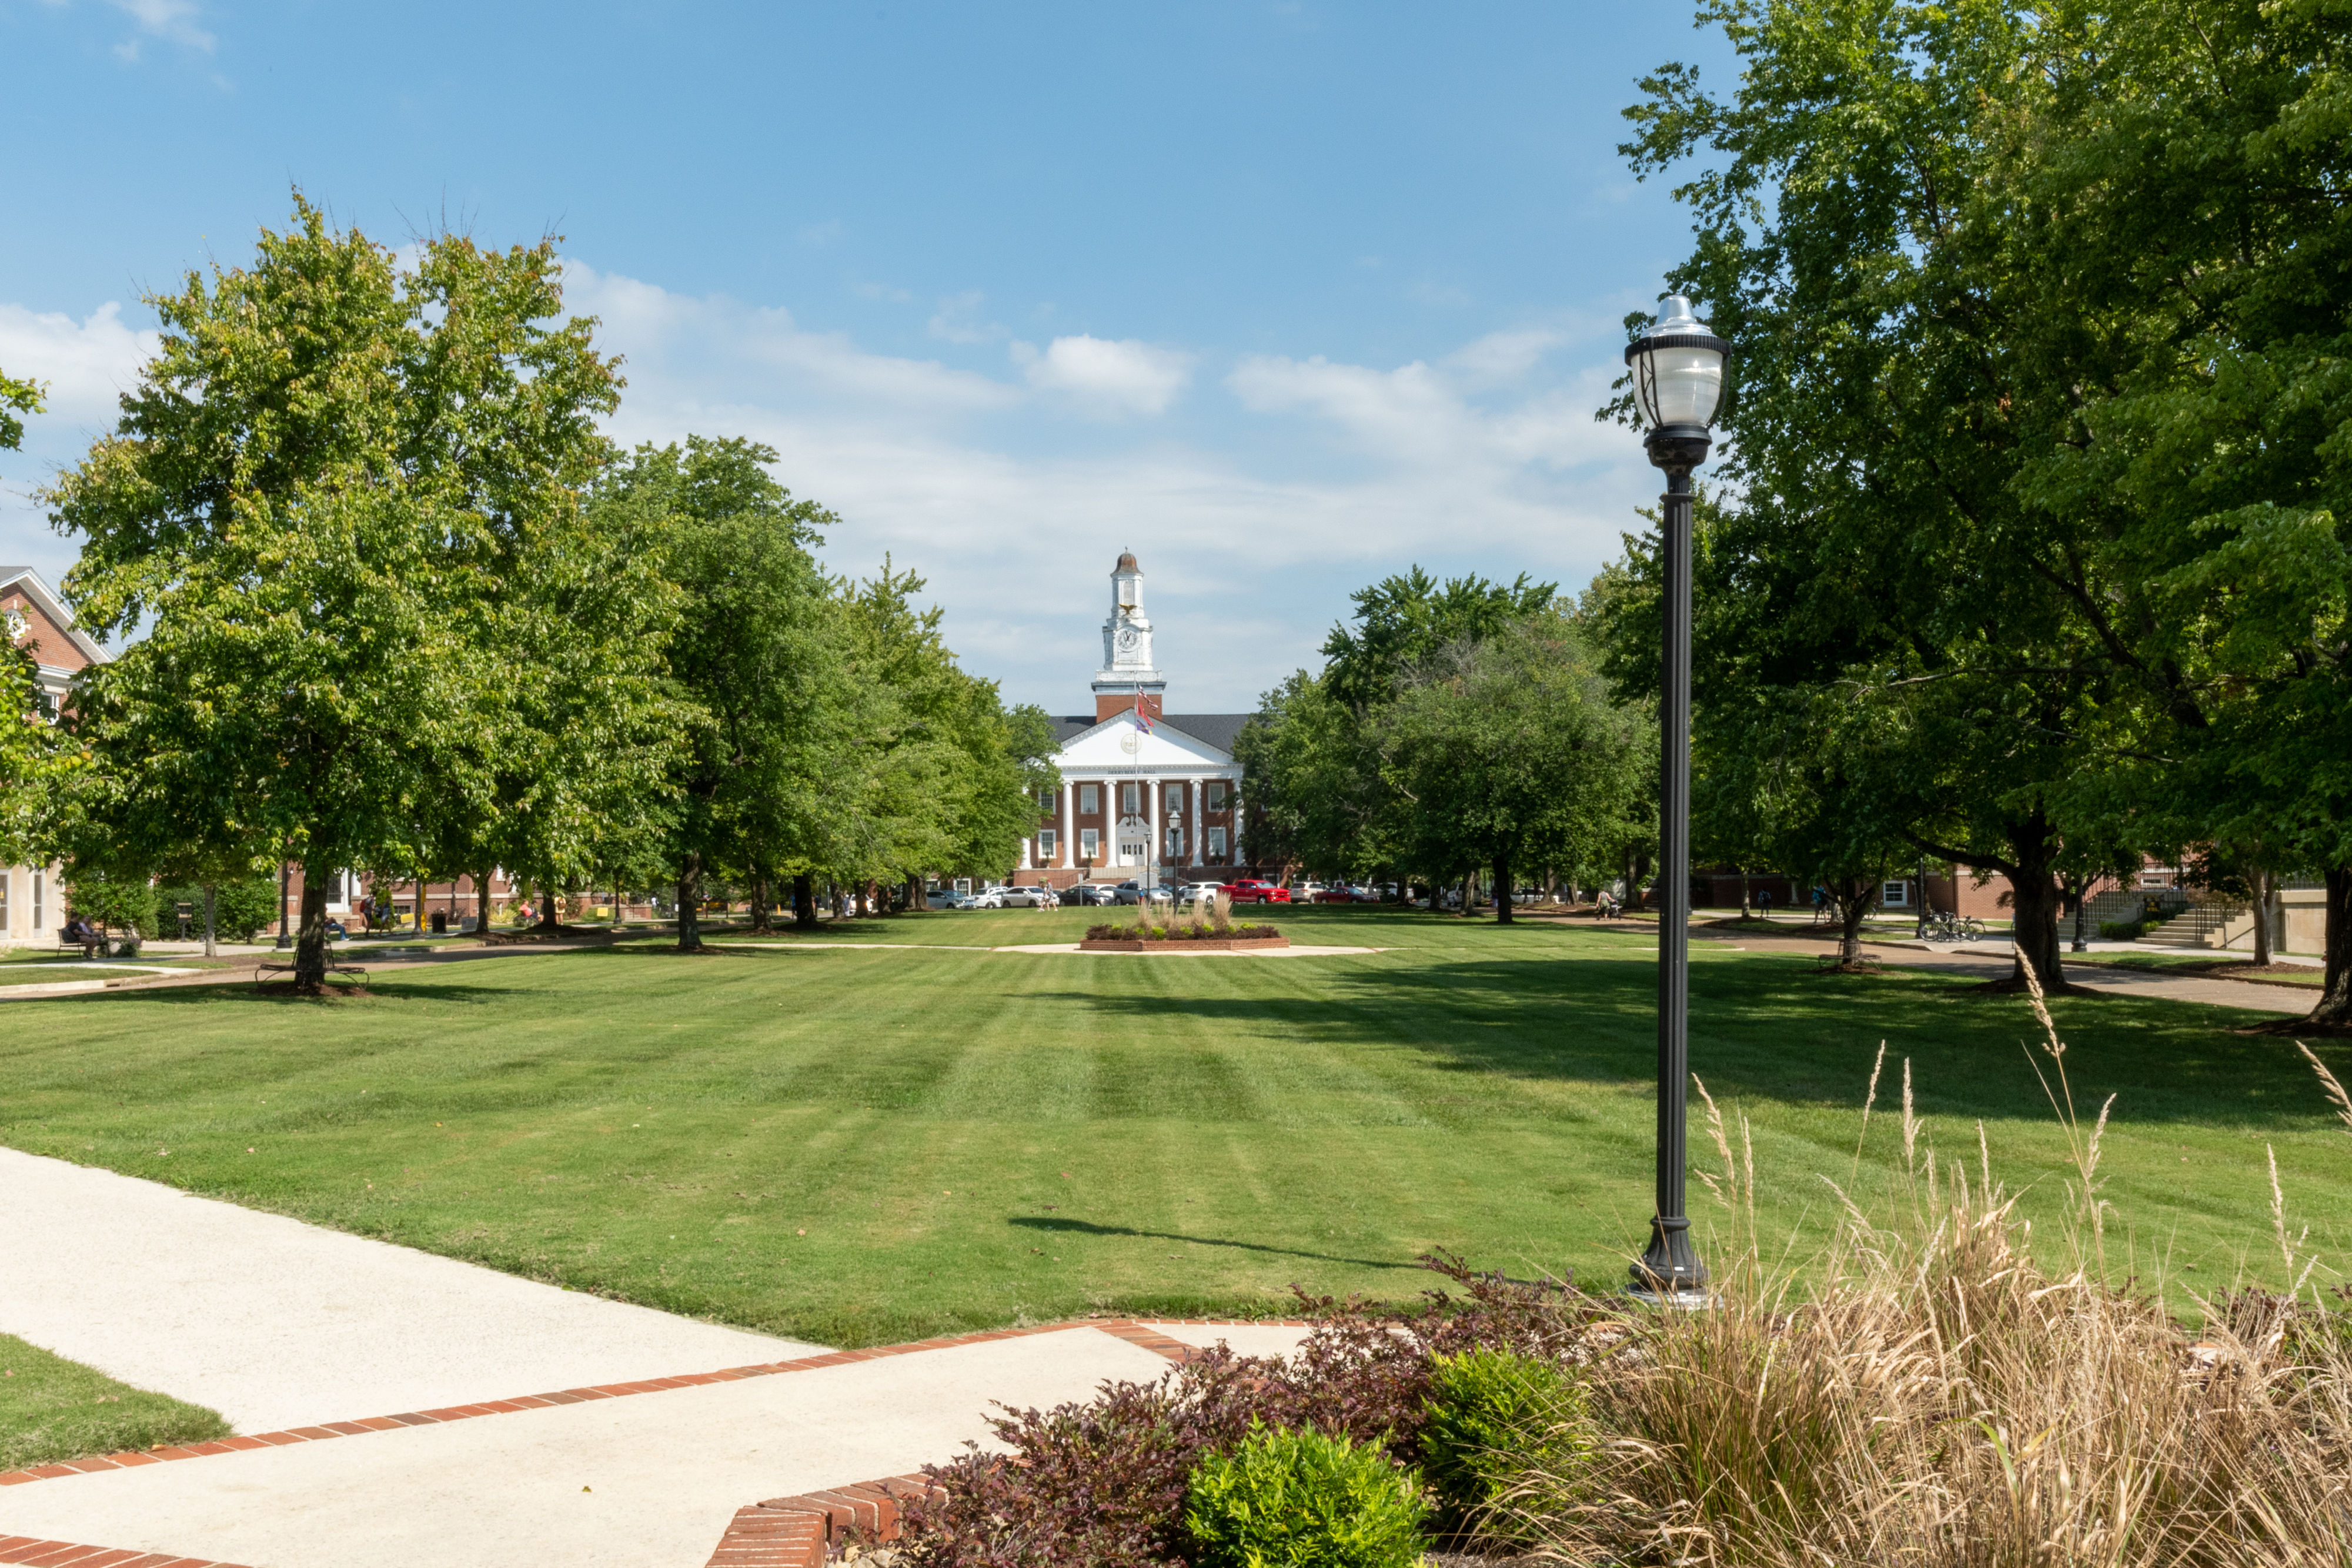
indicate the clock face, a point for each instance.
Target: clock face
{"x":1127,"y":637}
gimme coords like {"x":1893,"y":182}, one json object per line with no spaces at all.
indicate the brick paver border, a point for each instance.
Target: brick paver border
{"x":802,"y":1531}
{"x":66,"y":1554}
{"x":1121,"y":1328}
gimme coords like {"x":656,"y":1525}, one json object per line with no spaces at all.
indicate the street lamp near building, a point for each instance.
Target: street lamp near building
{"x":1677,"y":369}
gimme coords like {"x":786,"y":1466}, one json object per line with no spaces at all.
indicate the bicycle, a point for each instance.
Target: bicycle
{"x":1949,"y":927}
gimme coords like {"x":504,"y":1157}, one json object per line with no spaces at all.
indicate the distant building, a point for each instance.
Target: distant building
{"x":31,"y":908}
{"x":1146,"y":794}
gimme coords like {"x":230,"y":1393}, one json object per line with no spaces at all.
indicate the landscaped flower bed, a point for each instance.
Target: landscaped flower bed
{"x":1203,"y":936}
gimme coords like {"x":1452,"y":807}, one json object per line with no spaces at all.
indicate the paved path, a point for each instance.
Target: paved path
{"x":1994,"y":960}
{"x":649,"y":1480}
{"x":278,"y":1323}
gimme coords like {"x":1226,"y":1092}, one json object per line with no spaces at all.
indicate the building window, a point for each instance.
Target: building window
{"x":1175,"y":797}
{"x":1175,"y":843}
{"x":1091,"y":842}
{"x":1217,"y":794}
{"x":1895,"y":895}
{"x":1047,"y":840}
{"x":1127,"y":799}
{"x":1089,"y":799}
{"x":1217,"y":843}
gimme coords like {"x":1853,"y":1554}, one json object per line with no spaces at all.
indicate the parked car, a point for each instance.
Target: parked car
{"x":987,"y":898}
{"x":1198,"y":893}
{"x":1027,"y":896}
{"x":1249,"y":890}
{"x":951,"y":898}
{"x":1090,"y":894}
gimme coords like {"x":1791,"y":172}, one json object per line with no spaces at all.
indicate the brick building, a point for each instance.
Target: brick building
{"x":1147,"y":795}
{"x":32,"y":909}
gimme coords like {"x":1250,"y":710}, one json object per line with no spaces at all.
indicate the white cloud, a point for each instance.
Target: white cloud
{"x":174,"y":20}
{"x":1119,"y":375}
{"x":723,"y":347}
{"x":958,"y":319}
{"x":85,"y":364}
{"x":1254,"y":514}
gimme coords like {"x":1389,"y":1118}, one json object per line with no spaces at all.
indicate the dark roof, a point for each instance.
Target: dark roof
{"x":1125,"y":562}
{"x":1219,"y":730}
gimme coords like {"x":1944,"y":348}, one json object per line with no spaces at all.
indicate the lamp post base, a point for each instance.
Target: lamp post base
{"x":1674,"y":1300}
{"x":1670,"y":1267}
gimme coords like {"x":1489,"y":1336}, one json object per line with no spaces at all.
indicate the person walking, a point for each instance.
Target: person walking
{"x":1764,"y":903}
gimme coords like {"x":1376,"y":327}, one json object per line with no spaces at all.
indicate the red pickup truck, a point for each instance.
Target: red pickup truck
{"x":1256,"y":892}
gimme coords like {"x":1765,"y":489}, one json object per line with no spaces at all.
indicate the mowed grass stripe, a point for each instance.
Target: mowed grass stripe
{"x":869,"y":1144}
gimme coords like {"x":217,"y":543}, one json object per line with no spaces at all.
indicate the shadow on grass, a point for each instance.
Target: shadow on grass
{"x":1774,"y":1027}
{"x":1088,"y":1228}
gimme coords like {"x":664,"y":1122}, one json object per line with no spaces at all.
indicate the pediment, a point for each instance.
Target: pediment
{"x":1120,"y":742}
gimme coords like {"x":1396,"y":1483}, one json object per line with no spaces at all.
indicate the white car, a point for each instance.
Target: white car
{"x":987,"y":898}
{"x":1198,"y":894}
{"x":1029,"y":897}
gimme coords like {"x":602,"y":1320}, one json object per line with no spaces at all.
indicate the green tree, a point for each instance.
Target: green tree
{"x":1507,"y":751}
{"x":1310,"y":770}
{"x":324,"y":502}
{"x":16,"y":397}
{"x":763,"y":779}
{"x":956,"y":779}
{"x":2036,"y":315}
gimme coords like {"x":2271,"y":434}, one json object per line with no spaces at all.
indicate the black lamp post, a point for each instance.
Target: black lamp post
{"x":1677,"y":369}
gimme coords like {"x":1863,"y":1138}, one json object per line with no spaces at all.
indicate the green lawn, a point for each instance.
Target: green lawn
{"x":864,"y":1144}
{"x":52,"y":1409}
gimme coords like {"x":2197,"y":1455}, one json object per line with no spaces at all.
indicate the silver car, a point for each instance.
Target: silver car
{"x":1030,"y":897}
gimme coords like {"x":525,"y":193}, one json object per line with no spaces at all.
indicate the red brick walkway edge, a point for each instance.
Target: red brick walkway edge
{"x":804,"y":1531}
{"x":1123,"y":1328}
{"x":65,"y":1555}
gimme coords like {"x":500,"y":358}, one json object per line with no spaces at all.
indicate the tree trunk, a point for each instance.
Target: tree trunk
{"x":2033,"y":905}
{"x":689,"y":904}
{"x":2335,"y":997}
{"x":916,"y":897}
{"x":1854,"y":907}
{"x":873,"y":896}
{"x":803,"y":902}
{"x":1502,"y":890}
{"x":2262,"y":916}
{"x":310,"y":944}
{"x":209,"y":953}
{"x":551,"y":916}
{"x":759,"y":903}
{"x":1469,"y":892}
{"x":1745,"y":908}
{"x":482,"y":901}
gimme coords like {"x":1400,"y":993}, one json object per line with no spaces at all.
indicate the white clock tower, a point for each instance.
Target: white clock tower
{"x":1128,"y":677}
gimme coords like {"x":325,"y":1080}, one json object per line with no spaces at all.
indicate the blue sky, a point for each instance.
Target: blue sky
{"x":1284,"y":296}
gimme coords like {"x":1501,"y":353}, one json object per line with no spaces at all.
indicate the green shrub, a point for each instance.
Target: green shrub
{"x":2122,"y":930}
{"x":239,"y":908}
{"x":1289,"y":1499}
{"x":1499,"y":1423}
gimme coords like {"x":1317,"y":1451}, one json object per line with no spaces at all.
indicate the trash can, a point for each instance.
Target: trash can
{"x":440,"y":922}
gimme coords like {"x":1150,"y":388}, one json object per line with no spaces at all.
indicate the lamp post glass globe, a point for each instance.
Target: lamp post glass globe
{"x":1677,"y":367}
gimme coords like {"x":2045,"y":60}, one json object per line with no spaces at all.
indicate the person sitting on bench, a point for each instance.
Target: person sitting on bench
{"x":81,"y":933}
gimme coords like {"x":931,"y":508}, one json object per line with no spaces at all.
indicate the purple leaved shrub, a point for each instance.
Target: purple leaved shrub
{"x":1102,"y":1484}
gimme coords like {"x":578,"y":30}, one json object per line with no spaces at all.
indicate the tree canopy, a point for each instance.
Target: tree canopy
{"x":2034,"y":430}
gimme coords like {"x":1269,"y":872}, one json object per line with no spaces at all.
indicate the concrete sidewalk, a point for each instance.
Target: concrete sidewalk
{"x":511,"y":1443}
{"x":649,"y":1480}
{"x":277,"y":1324}
{"x":1993,"y":960}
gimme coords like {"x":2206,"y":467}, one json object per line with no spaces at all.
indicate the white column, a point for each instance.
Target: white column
{"x":1200,"y":828}
{"x":1151,"y":806}
{"x":1070,"y":823}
